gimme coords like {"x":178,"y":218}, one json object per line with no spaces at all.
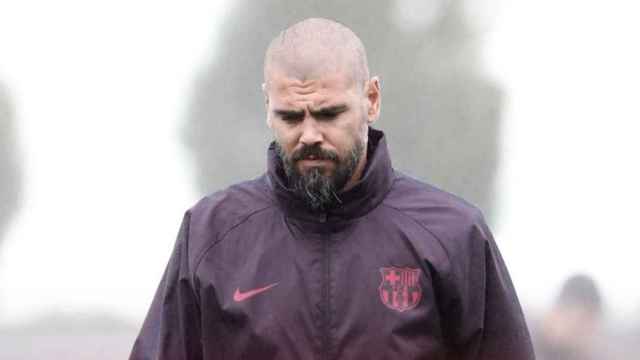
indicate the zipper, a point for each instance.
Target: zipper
{"x":326,"y":339}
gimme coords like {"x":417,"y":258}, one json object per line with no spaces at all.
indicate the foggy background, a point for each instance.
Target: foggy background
{"x":427,"y":55}
{"x":116,"y":117}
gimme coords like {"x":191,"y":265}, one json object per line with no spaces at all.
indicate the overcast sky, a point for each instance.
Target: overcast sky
{"x":100,"y":91}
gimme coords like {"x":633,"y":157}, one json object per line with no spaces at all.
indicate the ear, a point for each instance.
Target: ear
{"x":266,"y":103}
{"x":373,"y":95}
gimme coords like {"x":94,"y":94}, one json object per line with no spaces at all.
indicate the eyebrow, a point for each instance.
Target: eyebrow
{"x":329,"y":110}
{"x":325,"y":111}
{"x":289,"y":113}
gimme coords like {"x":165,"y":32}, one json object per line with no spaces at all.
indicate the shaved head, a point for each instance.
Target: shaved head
{"x":316,"y":47}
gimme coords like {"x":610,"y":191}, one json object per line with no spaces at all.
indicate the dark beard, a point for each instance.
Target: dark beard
{"x":318,"y":191}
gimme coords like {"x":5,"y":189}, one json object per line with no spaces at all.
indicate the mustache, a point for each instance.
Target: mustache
{"x":314,"y":151}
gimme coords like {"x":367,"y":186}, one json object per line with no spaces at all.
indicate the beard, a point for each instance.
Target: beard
{"x":317,"y":190}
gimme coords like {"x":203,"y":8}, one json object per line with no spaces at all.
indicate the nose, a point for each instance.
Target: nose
{"x":311,"y":133}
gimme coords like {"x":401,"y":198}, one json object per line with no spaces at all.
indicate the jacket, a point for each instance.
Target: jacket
{"x":401,"y":270}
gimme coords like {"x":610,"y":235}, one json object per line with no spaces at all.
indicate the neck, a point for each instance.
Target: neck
{"x":357,"y":174}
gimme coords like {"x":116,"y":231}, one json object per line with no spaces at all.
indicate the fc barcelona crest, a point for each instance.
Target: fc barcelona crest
{"x":400,"y":288}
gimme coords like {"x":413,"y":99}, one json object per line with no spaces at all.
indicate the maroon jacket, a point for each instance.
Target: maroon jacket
{"x":400,"y":270}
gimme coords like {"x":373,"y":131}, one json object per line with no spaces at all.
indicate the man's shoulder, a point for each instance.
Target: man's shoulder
{"x":414,"y":196}
{"x":223,"y":209}
{"x":216,"y":214}
{"x":445,"y":215}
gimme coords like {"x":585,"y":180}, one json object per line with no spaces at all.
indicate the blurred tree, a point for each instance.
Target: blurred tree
{"x":9,"y":174}
{"x":441,"y":115}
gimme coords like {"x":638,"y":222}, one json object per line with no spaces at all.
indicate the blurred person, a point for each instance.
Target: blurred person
{"x":571,"y":329}
{"x":332,"y":253}
{"x":450,"y":109}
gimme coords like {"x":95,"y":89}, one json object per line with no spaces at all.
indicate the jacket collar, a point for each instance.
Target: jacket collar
{"x":368,"y":192}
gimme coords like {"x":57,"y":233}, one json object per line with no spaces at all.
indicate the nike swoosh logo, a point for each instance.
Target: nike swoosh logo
{"x":242,"y":296}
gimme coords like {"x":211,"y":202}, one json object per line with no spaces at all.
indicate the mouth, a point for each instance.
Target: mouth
{"x":325,"y":166}
{"x":308,"y":158}
{"x":314,"y":162}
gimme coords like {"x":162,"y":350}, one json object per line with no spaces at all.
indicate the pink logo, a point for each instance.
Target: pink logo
{"x":400,"y":288}
{"x":242,"y":296}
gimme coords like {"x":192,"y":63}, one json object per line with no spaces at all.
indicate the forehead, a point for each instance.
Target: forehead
{"x":292,"y":90}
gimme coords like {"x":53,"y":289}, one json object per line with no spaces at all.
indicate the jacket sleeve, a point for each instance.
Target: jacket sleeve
{"x":171,"y":330}
{"x":484,"y":320}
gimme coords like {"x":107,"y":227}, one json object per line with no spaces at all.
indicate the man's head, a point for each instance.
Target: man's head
{"x":572,"y":324}
{"x":320,"y":102}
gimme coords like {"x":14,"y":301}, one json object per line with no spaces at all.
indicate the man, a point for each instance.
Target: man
{"x":332,"y":254}
{"x":572,"y":328}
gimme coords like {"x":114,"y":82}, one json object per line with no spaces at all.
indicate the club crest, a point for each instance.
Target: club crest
{"x":400,"y":288}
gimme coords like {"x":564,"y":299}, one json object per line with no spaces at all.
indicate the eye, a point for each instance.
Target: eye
{"x":329,"y":113}
{"x":327,"y":116}
{"x":291,"y":118}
